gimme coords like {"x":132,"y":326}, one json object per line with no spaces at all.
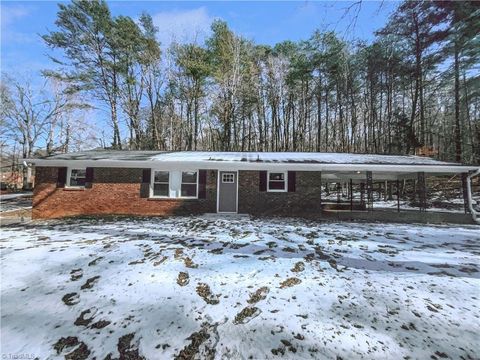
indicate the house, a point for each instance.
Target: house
{"x":166,"y":183}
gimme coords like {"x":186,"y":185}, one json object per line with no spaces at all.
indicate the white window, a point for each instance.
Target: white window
{"x":189,"y":184}
{"x":161,"y":184}
{"x":277,"y":181}
{"x":76,"y":177}
{"x":174,"y":184}
{"x":228,"y":178}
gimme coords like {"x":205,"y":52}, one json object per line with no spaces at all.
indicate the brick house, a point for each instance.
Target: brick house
{"x":169,"y":183}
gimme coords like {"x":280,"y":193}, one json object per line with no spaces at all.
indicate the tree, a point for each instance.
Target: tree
{"x":31,"y":116}
{"x":194,"y":66}
{"x":90,"y":61}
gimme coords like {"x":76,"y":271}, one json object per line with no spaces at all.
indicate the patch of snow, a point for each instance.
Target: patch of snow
{"x":259,"y":288}
{"x":14,"y":196}
{"x":297,"y":157}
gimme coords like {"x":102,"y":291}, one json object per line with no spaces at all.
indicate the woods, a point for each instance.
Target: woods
{"x":416,"y":86}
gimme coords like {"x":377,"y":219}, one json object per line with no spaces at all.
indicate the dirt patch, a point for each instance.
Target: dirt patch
{"x":100,"y":324}
{"x":237,"y":246}
{"x":259,"y":252}
{"x":202,"y":345}
{"x":135,"y":262}
{"x":183,"y":278}
{"x":95,"y":261}
{"x":72,"y":348}
{"x":189,"y":263}
{"x":178,"y":254}
{"x":162,"y":260}
{"x":203,"y":290}
{"x":216,"y":251}
{"x":468,"y":270}
{"x":90,"y":282}
{"x":127,"y":350}
{"x":76,"y":274}
{"x":247,"y":314}
{"x":85,"y":321}
{"x":320,"y":254}
{"x":290,"y":282}
{"x":260,"y":294}
{"x":298,"y":267}
{"x":71,"y":299}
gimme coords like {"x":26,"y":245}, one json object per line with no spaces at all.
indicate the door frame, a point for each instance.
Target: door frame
{"x":218,"y":192}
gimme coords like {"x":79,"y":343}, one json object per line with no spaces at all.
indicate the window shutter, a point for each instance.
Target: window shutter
{"x":262,"y":186}
{"x":61,"y":177}
{"x":88,"y":177}
{"x":145,"y":185}
{"x":292,"y":178}
{"x":202,"y":184}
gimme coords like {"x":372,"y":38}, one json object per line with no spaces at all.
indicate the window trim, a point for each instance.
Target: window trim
{"x":152,"y":183}
{"x":181,"y":183}
{"x":69,"y":176}
{"x":285,"y":176}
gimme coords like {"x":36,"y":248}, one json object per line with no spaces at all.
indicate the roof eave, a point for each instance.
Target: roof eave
{"x":240,"y":165}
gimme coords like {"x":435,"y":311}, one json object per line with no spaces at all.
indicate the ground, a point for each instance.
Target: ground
{"x":203,"y":287}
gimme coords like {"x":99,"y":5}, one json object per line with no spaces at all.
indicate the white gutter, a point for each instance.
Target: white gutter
{"x":240,"y":165}
{"x":475,"y":214}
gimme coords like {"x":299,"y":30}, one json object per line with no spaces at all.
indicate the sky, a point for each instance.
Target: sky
{"x":265,"y":22}
{"x":24,"y":55}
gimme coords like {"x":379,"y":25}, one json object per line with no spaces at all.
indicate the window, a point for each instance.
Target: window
{"x":174,"y":184}
{"x":189,"y":184}
{"x":77,"y":177}
{"x":277,"y":181}
{"x":161,"y":183}
{"x":228,"y":178}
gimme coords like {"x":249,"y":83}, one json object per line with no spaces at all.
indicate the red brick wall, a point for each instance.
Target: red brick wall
{"x":115,"y":191}
{"x":304,"y":200}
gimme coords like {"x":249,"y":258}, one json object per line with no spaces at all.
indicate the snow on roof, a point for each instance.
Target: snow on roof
{"x":115,"y":155}
{"x":257,"y":157}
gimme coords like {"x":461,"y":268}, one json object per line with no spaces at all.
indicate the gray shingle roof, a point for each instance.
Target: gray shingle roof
{"x":258,"y":157}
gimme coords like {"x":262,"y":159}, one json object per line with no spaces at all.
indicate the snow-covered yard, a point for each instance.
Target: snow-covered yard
{"x":204,"y":288}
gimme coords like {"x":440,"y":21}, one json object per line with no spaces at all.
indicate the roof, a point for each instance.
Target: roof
{"x":263,"y":157}
{"x":250,"y":160}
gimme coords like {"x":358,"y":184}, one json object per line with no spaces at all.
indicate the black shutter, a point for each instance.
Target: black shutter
{"x":262,"y":185}
{"x":88,"y":177}
{"x":61,"y":177}
{"x":292,"y":178}
{"x":145,"y":186}
{"x":202,"y":184}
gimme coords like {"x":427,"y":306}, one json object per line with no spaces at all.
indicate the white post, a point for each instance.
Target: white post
{"x":475,"y":214}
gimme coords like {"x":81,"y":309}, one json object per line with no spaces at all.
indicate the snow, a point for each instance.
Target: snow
{"x":15,"y":196}
{"x":267,"y":157}
{"x":352,"y":290}
{"x":297,"y":157}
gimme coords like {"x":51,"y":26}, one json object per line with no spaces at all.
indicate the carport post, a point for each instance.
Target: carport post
{"x":398,"y":196}
{"x":320,"y":191}
{"x":362,"y":194}
{"x":350,"y":186}
{"x":465,"y":192}
{"x":421,"y":190}
{"x":369,"y":191}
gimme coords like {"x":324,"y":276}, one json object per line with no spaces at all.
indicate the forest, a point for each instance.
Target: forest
{"x":415,"y":89}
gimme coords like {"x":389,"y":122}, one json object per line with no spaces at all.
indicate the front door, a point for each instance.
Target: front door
{"x":227,"y":191}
